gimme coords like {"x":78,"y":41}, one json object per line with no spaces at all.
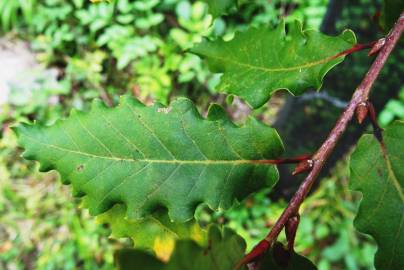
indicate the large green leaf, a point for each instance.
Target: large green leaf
{"x":380,"y":178}
{"x":152,"y":157}
{"x":156,"y":233}
{"x":218,"y":8}
{"x":260,"y":61}
{"x":224,"y":250}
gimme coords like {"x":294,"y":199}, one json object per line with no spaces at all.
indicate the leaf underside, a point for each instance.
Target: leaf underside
{"x":379,"y":175}
{"x":148,"y":158}
{"x":224,"y":250}
{"x":155,"y":233}
{"x":260,"y":61}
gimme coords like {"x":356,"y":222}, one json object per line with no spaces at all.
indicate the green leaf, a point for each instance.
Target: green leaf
{"x":130,"y":259}
{"x":224,"y":250}
{"x":260,"y":61}
{"x":278,"y":258}
{"x":156,"y":232}
{"x":152,"y":157}
{"x":218,"y":8}
{"x":379,"y":175}
{"x":391,"y":10}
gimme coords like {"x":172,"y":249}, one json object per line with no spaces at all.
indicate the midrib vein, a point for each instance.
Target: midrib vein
{"x":161,"y":161}
{"x":392,"y":176}
{"x":265,"y":69}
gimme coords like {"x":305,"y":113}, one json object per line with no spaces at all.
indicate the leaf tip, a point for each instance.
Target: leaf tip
{"x":182,"y":105}
{"x":45,"y":167}
{"x":98,"y":105}
{"x":75,"y":112}
{"x":20,"y":129}
{"x":349,"y":36}
{"x":216,"y":112}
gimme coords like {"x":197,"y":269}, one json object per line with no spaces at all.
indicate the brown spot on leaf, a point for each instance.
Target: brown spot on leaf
{"x":80,"y":168}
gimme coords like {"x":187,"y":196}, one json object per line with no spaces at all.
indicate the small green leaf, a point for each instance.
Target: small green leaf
{"x":379,"y":175}
{"x":224,"y":250}
{"x":156,"y":233}
{"x":278,"y":258}
{"x":260,"y":61}
{"x":152,"y":157}
{"x":219,"y":8}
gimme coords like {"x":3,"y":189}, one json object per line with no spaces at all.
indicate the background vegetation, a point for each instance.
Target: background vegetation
{"x":84,"y":51}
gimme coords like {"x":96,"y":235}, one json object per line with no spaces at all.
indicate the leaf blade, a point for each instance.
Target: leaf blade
{"x":379,"y":177}
{"x":162,"y":166}
{"x":252,"y":66}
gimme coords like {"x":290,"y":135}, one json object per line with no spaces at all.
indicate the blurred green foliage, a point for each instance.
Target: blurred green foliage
{"x":40,"y":225}
{"x":394,"y":109}
{"x":137,"y":45}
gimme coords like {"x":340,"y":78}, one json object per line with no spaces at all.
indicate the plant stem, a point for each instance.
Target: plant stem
{"x":361,"y":94}
{"x":284,"y":160}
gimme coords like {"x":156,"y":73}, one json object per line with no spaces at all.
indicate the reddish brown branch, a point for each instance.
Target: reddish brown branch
{"x":361,"y":94}
{"x":290,"y":231}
